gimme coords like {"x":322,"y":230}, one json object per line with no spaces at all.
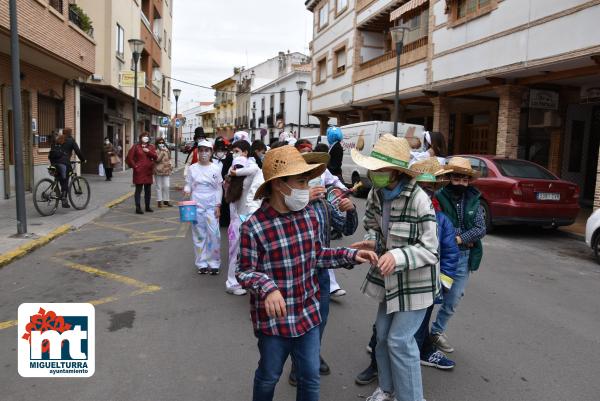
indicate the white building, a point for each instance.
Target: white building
{"x":193,"y":119}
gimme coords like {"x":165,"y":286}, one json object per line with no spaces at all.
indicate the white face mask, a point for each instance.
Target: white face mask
{"x":237,"y":154}
{"x":220,"y":155}
{"x":145,"y":139}
{"x":297,"y":200}
{"x":204,"y":156}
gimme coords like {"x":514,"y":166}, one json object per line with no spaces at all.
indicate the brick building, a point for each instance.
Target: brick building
{"x":519,"y":78}
{"x":55,"y":54}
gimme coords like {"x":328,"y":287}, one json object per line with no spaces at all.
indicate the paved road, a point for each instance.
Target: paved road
{"x":527,"y":330}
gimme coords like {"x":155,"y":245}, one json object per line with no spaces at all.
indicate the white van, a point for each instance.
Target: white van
{"x":370,"y":132}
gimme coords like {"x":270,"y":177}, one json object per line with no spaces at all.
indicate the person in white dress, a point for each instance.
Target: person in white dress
{"x":204,"y":186}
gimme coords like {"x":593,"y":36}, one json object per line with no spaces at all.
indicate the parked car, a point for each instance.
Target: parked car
{"x":515,"y":191}
{"x":592,"y":233}
{"x":186,"y":147}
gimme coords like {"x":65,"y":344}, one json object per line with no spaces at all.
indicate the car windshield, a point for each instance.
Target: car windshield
{"x":522,"y":169}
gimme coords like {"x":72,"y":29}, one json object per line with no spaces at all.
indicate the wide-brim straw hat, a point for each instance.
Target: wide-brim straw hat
{"x":316,"y":157}
{"x":460,"y":165}
{"x":429,"y":170}
{"x":389,"y":152}
{"x":286,"y":161}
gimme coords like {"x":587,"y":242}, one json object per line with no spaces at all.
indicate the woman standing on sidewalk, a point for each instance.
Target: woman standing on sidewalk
{"x":141,"y":159}
{"x":108,"y":151}
{"x":162,"y":173}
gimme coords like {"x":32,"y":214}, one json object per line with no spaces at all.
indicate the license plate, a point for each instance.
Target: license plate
{"x":551,"y":196}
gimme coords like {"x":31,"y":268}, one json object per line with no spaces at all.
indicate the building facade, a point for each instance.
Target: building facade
{"x":225,"y":107}
{"x":517,"y":78}
{"x":53,"y":62}
{"x":107,"y":104}
{"x":208,"y":119}
{"x":193,"y":118}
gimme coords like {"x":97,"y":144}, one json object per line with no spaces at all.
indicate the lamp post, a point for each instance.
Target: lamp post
{"x":253,"y":120}
{"x":137,"y":45}
{"x":301,"y":86}
{"x":176,"y":93}
{"x":397,"y":33}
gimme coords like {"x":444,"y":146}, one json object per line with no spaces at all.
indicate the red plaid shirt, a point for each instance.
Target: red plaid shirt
{"x":282,"y":252}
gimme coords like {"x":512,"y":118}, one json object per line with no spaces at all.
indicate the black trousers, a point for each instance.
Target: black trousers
{"x":108,"y":172}
{"x":138,"y":193}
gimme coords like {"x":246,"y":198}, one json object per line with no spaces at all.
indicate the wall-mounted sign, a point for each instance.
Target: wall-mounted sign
{"x":164,"y":121}
{"x":33,"y":125}
{"x":126,"y":79}
{"x":542,"y":99}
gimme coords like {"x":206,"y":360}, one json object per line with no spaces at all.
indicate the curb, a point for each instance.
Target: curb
{"x":24,"y":249}
{"x":572,"y":235}
{"x":32,"y":245}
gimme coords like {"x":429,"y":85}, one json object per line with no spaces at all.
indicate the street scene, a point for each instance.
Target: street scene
{"x":344,"y":199}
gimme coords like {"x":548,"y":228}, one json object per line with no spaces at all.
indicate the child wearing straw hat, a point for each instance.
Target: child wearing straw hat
{"x":401,"y":226}
{"x":459,"y":200}
{"x":279,"y":258}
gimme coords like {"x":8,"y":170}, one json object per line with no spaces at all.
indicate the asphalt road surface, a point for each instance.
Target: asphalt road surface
{"x":528,"y":328}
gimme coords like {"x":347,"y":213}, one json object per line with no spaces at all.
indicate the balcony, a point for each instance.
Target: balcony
{"x":373,"y":14}
{"x":361,"y":4}
{"x":78,"y":17}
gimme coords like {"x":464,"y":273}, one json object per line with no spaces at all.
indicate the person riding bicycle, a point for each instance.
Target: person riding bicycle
{"x":62,"y":148}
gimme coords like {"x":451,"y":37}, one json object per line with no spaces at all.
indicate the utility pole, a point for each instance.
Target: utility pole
{"x":17,"y":120}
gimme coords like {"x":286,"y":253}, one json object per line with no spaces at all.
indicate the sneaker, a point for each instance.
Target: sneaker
{"x":338,"y":293}
{"x":167,"y":204}
{"x":292,"y":377}
{"x":214,"y":272}
{"x":367,"y":376}
{"x":380,"y":395}
{"x":441,"y":342}
{"x":324,"y":369}
{"x":235,"y":291}
{"x":202,"y":270}
{"x":437,"y":359}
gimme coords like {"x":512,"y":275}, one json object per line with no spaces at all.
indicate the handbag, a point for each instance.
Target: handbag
{"x":101,"y":172}
{"x":114,"y":159}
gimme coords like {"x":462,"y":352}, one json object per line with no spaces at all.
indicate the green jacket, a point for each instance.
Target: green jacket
{"x":471,"y":207}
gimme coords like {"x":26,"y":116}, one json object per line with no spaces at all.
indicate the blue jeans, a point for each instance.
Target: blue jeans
{"x":324,"y":285}
{"x":398,"y":359}
{"x":274,"y":351}
{"x":453,"y":297}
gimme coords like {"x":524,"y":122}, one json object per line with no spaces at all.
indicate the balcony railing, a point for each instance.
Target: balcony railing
{"x":79,"y":18}
{"x":412,"y":52}
{"x":57,"y":5}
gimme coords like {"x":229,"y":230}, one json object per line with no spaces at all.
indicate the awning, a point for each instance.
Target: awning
{"x":406,"y":7}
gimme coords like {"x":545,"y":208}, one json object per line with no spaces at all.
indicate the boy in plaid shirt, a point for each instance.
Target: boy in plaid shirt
{"x":279,"y":256}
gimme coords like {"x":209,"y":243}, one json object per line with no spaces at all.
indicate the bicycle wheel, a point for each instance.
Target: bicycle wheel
{"x":46,"y":195}
{"x":79,"y":193}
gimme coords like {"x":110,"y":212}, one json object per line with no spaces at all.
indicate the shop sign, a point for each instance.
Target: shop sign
{"x":542,"y":99}
{"x":126,"y":79}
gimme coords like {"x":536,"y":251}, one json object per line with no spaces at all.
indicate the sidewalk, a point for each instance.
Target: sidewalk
{"x":41,"y":230}
{"x":577,"y":229}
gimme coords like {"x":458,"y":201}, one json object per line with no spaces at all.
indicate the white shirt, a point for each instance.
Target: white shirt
{"x":242,"y":206}
{"x":205,"y":184}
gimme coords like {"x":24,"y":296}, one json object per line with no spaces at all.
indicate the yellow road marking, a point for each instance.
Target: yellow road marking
{"x":23,"y":250}
{"x":183,"y":229}
{"x":112,"y":227}
{"x":103,"y":273}
{"x":164,"y":230}
{"x":119,"y":200}
{"x":7,"y":324}
{"x":97,"y":248}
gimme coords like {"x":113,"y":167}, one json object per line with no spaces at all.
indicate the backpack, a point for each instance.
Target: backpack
{"x":56,"y":153}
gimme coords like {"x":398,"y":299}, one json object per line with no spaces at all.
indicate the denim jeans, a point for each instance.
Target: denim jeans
{"x":274,"y":351}
{"x":398,"y":359}
{"x":63,"y":177}
{"x":324,"y":285}
{"x":453,"y":297}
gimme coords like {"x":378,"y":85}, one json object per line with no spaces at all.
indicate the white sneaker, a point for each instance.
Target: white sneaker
{"x":236,"y":291}
{"x":380,"y":395}
{"x":338,"y":293}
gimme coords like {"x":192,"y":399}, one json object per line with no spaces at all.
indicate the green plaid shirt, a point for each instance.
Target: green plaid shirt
{"x":411,"y":237}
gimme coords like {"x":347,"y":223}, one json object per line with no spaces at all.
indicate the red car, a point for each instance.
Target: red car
{"x":515,"y":191}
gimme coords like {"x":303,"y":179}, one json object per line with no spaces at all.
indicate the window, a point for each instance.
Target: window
{"x":522,"y":169}
{"x":322,"y":70}
{"x":324,"y":15}
{"x":50,"y":118}
{"x":120,"y":41}
{"x":418,"y":26}
{"x":465,"y":10}
{"x":169,"y":50}
{"x":340,"y":6}
{"x":339,"y":60}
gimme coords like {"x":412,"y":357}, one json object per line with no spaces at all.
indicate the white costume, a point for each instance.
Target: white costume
{"x":205,"y":185}
{"x":240,"y":210}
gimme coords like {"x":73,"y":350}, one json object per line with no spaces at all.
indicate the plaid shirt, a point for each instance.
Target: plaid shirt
{"x":475,"y":233}
{"x":282,"y":252}
{"x":411,"y":237}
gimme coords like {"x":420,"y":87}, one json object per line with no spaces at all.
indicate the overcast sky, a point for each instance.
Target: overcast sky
{"x":212,"y":37}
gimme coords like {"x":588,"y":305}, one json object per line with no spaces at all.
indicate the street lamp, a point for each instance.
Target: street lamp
{"x":253,"y":119}
{"x":136,"y":45}
{"x":176,"y":93}
{"x":398,"y":33}
{"x":301,"y":86}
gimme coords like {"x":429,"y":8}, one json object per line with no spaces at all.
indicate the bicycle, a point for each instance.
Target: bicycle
{"x":47,"y":194}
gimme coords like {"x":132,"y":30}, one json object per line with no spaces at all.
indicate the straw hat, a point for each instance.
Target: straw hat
{"x":285,"y":161}
{"x":429,"y":169}
{"x":316,"y":157}
{"x":460,"y":165}
{"x":389,"y":152}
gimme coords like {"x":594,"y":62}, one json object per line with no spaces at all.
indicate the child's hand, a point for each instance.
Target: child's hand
{"x":364,"y":245}
{"x":366,"y":256}
{"x":317,"y":192}
{"x":218,"y":212}
{"x":387,"y":264}
{"x":275,"y":304}
{"x":345,"y":205}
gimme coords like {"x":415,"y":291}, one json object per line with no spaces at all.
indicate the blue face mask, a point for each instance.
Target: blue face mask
{"x":390,"y":194}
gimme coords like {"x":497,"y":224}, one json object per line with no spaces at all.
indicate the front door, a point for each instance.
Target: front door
{"x":476,"y":139}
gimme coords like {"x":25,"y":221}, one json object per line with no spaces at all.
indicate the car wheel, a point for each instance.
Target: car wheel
{"x":487,"y":216}
{"x":596,"y":246}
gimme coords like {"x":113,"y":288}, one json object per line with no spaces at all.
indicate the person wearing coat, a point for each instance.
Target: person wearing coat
{"x":162,"y":173}
{"x":141,"y":159}
{"x":61,"y":151}
{"x":336,"y":151}
{"x":108,"y":151}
